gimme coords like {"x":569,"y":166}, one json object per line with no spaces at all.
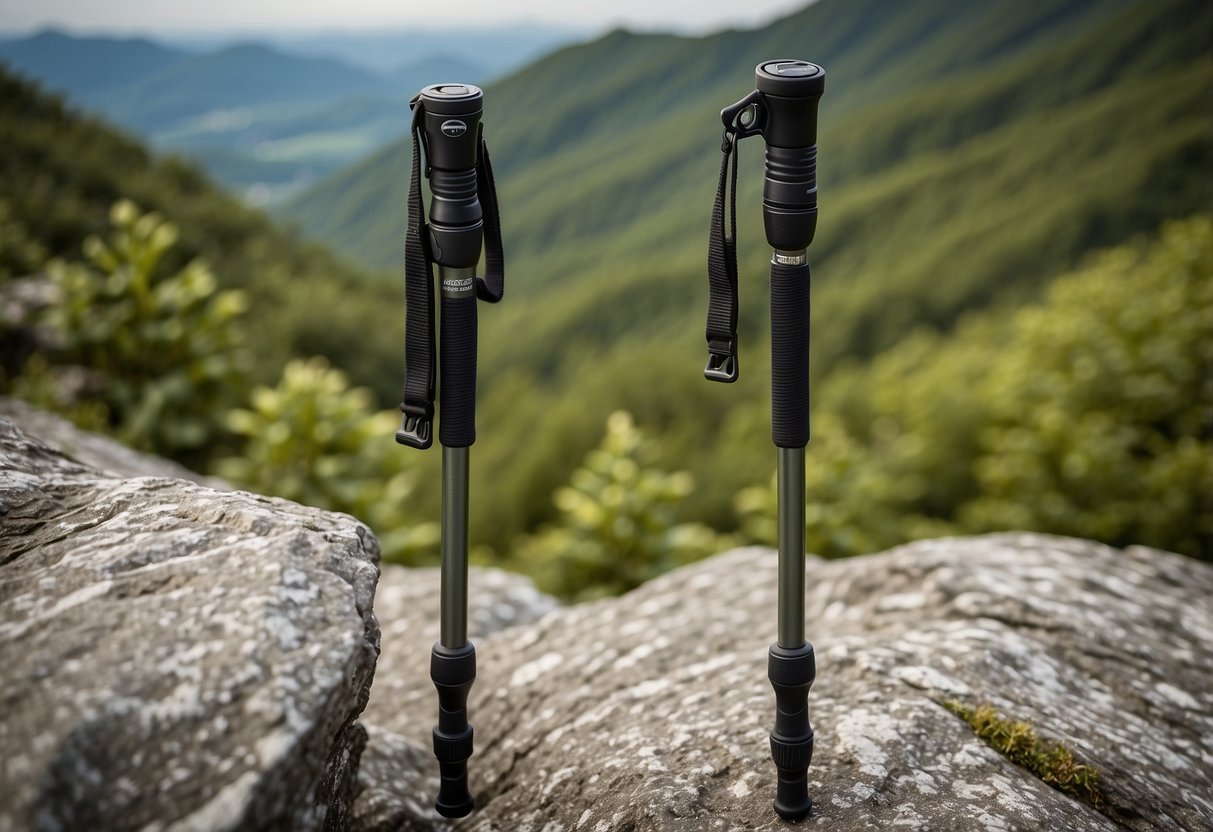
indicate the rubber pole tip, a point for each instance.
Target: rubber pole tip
{"x":460,"y":809}
{"x":793,"y":811}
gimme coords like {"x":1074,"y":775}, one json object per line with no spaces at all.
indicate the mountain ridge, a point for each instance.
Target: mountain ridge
{"x":945,"y":187}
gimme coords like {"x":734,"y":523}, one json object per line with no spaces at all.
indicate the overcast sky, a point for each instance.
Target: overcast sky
{"x":126,"y":16}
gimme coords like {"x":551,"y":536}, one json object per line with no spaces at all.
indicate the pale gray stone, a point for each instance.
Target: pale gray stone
{"x":175,"y":657}
{"x":179,"y":658}
{"x":93,"y":450}
{"x":651,"y":711}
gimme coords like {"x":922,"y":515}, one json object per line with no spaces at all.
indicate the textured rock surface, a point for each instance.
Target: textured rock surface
{"x":175,"y":657}
{"x":93,"y":450}
{"x":651,"y":711}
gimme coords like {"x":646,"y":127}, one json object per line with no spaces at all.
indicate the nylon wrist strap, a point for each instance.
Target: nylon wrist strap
{"x":420,"y":368}
{"x":722,"y":271}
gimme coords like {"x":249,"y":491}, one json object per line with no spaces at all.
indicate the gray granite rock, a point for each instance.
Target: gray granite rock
{"x":180,"y":658}
{"x":175,"y":657}
{"x":94,"y":450}
{"x":651,"y":711}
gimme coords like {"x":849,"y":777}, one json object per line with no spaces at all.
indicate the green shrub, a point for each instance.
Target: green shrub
{"x":158,"y":354}
{"x":1090,"y":415}
{"x":1100,"y":412}
{"x":616,"y":527}
{"x":315,"y":440}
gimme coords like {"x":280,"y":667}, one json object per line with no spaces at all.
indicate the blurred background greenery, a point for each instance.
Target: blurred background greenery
{"x":1013,"y":288}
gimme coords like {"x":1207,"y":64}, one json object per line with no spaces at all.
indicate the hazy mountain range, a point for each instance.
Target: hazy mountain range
{"x":267,"y":116}
{"x":969,"y":154}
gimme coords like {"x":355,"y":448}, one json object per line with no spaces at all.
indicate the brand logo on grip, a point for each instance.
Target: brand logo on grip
{"x":453,"y":127}
{"x":457,"y":286}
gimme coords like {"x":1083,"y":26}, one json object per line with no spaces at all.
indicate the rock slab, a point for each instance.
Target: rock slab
{"x":651,"y":711}
{"x":175,"y":657}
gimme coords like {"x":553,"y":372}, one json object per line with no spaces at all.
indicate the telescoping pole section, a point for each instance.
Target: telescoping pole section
{"x":453,"y":660}
{"x":791,"y":547}
{"x":454,"y":632}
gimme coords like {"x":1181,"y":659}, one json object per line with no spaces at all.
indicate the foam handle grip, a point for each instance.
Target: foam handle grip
{"x":453,"y":671}
{"x":790,"y":355}
{"x":457,"y":371}
{"x":792,"y":672}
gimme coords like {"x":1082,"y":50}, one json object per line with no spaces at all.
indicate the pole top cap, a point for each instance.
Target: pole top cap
{"x":790,"y":78}
{"x":452,"y":99}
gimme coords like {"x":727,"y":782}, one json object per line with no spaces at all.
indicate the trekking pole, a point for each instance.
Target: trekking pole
{"x":783,"y":109}
{"x":463,"y":214}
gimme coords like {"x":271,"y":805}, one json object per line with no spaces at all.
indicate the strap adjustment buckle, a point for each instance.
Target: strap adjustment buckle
{"x":416,"y":426}
{"x":722,"y":360}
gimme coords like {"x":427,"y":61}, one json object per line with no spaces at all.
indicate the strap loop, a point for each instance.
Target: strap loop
{"x":491,"y":287}
{"x":416,"y":426}
{"x":722,"y":270}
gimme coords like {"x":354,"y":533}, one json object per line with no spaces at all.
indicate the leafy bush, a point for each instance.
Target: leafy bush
{"x":1100,"y":413}
{"x":616,"y":527}
{"x":1088,"y":415}
{"x":155,"y":356}
{"x":315,"y":440}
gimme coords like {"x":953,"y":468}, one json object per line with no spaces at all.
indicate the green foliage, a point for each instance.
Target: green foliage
{"x":20,"y":254}
{"x":61,"y":172}
{"x":1052,"y":762}
{"x":1090,"y":415}
{"x":1100,"y":412}
{"x":315,"y":440}
{"x":969,"y":154}
{"x":162,"y":350}
{"x":854,"y":505}
{"x":616,"y":526}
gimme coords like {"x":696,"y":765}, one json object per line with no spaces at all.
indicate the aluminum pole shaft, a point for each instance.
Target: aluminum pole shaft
{"x":791,"y":547}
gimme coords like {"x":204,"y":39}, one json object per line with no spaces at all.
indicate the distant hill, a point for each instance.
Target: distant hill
{"x":263,"y":120}
{"x":82,"y":67}
{"x":238,"y":76}
{"x":969,"y":153}
{"x":435,"y":69}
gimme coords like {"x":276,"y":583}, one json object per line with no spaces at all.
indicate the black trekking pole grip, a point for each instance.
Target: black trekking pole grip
{"x":453,"y":670}
{"x":457,"y":359}
{"x":789,"y":349}
{"x":451,"y":131}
